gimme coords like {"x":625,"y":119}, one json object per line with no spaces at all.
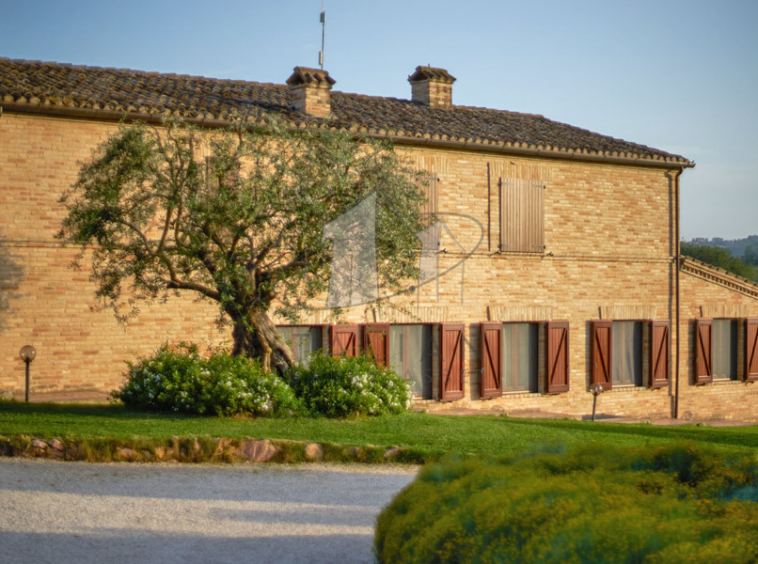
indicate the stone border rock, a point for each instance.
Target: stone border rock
{"x":203,"y":449}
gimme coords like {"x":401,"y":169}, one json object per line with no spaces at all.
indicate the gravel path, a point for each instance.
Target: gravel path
{"x":81,"y":512}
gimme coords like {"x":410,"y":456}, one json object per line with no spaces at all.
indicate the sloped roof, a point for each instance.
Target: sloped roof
{"x":719,"y":276}
{"x":108,"y":92}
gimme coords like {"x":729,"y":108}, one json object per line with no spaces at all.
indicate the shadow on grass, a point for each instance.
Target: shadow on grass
{"x":86,"y":410}
{"x":734,"y":436}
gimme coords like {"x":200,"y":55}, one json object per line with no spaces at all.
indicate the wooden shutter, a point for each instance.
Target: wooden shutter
{"x":491,"y":384}
{"x":557,"y":341}
{"x":376,"y":342}
{"x":660,"y":352}
{"x":451,"y":361}
{"x":521,"y":216}
{"x":703,"y":351}
{"x":602,"y":345}
{"x":430,"y":191}
{"x":751,"y":350}
{"x":343,"y":340}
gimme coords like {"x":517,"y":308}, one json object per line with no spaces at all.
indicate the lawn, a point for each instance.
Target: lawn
{"x":433,"y":435}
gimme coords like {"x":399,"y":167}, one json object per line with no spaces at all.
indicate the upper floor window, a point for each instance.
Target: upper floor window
{"x":521,"y":216}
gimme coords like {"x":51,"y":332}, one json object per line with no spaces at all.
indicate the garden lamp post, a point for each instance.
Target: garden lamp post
{"x":27,"y":354}
{"x":596,"y":390}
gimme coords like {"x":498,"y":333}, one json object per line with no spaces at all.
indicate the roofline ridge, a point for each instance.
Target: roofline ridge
{"x":140,"y":71}
{"x":719,"y":272}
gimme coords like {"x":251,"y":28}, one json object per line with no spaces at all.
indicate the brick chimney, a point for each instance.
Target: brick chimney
{"x":432,"y":87}
{"x":310,"y":91}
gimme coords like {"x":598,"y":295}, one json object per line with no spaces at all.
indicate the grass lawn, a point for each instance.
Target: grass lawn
{"x":433,"y":435}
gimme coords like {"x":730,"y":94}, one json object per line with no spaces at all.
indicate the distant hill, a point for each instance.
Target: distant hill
{"x":736,"y":247}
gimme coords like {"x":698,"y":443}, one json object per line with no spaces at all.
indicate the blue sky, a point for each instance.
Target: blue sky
{"x":681,"y":76}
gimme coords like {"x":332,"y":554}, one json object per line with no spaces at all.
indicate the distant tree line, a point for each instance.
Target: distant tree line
{"x":747,"y":267}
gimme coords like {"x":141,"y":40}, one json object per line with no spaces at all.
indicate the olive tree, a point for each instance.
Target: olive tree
{"x":237,"y":216}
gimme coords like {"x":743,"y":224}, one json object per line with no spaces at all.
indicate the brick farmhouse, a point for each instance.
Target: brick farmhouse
{"x":554,"y":264}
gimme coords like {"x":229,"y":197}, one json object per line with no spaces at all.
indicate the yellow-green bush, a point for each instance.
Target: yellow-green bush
{"x":656,"y":505}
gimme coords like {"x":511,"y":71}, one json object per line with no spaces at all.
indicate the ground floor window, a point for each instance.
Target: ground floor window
{"x":627,"y":353}
{"x":411,"y":350}
{"x":303,"y":341}
{"x":724,"y":343}
{"x":510,"y":359}
{"x":616,"y":349}
{"x":519,"y":346}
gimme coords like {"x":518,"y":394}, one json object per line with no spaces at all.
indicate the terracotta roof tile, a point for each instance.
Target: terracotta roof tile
{"x":53,"y":85}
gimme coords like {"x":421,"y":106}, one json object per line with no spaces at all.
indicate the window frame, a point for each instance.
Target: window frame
{"x":302,"y":326}
{"x":601,"y":361}
{"x":703,"y":353}
{"x":434,"y":350}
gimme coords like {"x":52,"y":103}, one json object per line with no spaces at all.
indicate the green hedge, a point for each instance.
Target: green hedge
{"x":178,"y":379}
{"x":669,"y":504}
{"x":341,"y":387}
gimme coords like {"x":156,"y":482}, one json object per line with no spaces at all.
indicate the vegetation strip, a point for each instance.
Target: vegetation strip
{"x":667,"y":504}
{"x":202,"y":449}
{"x":421,"y":437}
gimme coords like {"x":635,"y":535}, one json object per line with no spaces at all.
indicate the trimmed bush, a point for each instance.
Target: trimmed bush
{"x":179,"y":380}
{"x":340,"y":387}
{"x":659,"y":505}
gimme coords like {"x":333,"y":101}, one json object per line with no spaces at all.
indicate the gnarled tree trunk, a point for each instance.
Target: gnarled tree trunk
{"x":256,"y":336}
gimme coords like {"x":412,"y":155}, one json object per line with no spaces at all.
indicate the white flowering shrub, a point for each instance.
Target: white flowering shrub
{"x":180,"y":380}
{"x":339,"y":387}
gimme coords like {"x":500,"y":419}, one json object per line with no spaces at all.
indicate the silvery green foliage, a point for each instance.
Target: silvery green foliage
{"x":237,"y":216}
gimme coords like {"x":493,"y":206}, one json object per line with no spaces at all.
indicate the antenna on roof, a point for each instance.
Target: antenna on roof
{"x":323,"y":33}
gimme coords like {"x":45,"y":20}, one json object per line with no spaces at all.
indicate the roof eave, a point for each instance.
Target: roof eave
{"x":667,"y":163}
{"x":467,"y":145}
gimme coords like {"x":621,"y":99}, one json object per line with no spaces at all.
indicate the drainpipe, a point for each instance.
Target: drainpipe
{"x":676,"y":175}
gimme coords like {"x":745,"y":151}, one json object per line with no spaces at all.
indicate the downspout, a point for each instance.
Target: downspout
{"x":677,"y":255}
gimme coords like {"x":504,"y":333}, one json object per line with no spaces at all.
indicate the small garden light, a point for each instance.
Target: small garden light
{"x":27,"y":353}
{"x":596,"y":390}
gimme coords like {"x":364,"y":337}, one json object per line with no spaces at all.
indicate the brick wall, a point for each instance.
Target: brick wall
{"x":45,"y":303}
{"x":608,"y":254}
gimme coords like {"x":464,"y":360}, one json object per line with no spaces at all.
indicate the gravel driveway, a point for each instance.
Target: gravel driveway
{"x":81,"y":512}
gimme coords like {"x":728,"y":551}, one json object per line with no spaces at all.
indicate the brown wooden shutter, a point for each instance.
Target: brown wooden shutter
{"x":491,"y":384}
{"x":343,"y":340}
{"x":660,"y":351}
{"x":602,"y":345}
{"x":703,"y":351}
{"x":557,"y":341}
{"x":376,"y":342}
{"x":751,"y":350}
{"x":451,"y":361}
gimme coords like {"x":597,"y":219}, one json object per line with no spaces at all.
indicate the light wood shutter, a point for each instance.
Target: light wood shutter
{"x":703,"y":351}
{"x":432,"y":199}
{"x":602,"y":345}
{"x":451,"y":361}
{"x":521,"y":216}
{"x":660,"y":352}
{"x":751,"y":350}
{"x":343,"y":340}
{"x":557,"y":341}
{"x":491,"y":384}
